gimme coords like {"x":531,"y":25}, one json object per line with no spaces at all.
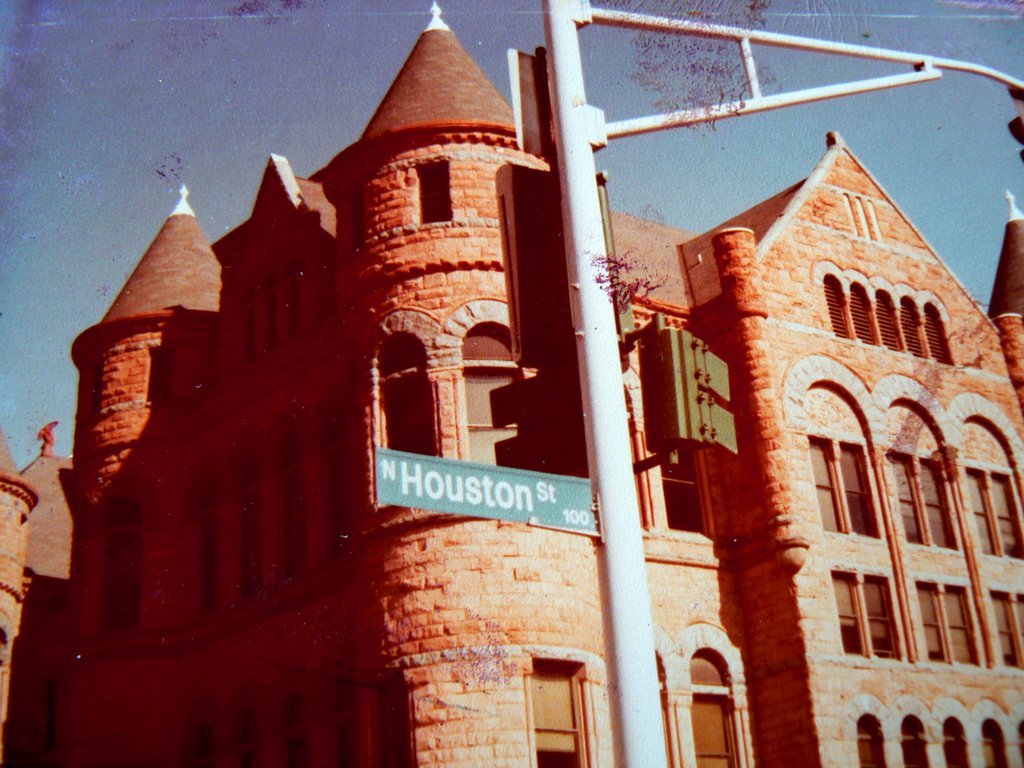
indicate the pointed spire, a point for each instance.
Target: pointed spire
{"x":436,"y":22}
{"x":287,"y":177}
{"x":178,"y":269}
{"x":1008,"y":290}
{"x":1015,"y":212}
{"x":183,"y":208}
{"x":439,"y":84}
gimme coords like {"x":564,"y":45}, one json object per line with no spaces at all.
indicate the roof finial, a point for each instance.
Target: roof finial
{"x":1015,"y":212}
{"x":183,"y":207}
{"x":436,"y":22}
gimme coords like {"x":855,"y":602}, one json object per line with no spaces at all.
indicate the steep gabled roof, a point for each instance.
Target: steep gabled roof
{"x":1008,"y":289}
{"x":439,"y":83}
{"x":177,"y":270}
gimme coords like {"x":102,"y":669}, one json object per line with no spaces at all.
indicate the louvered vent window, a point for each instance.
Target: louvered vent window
{"x":860,"y":313}
{"x":836,"y":302}
{"x":938,"y":345}
{"x":885,"y":314}
{"x":910,"y":322}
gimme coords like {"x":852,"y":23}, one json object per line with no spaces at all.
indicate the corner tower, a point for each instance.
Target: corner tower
{"x":1007,"y":306}
{"x":151,"y":346}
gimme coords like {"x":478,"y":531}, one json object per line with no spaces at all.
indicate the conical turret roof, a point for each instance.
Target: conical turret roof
{"x":7,"y":466}
{"x":178,"y":269}
{"x":1008,"y":290}
{"x":439,"y":83}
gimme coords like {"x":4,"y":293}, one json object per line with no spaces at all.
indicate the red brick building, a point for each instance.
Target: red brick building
{"x":847,"y":589}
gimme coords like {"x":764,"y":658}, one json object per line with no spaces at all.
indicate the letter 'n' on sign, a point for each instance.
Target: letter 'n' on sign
{"x":484,"y":490}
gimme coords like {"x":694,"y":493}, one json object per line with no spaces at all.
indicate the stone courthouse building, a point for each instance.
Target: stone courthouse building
{"x":847,"y":589}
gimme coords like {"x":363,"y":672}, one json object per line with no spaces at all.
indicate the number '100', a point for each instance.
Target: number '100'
{"x":576,"y":516}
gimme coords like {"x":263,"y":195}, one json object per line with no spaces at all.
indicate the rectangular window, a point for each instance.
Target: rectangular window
{"x":946,"y":620}
{"x":712,"y":736}
{"x":921,"y":493}
{"x":958,"y":624}
{"x":1007,"y":624}
{"x":1005,"y":515}
{"x":976,"y":499}
{"x":843,"y":490}
{"x":936,"y":508}
{"x":865,"y":617}
{"x":682,"y":494}
{"x":858,"y":497}
{"x":849,"y":621}
{"x":482,"y":432}
{"x":876,"y":602}
{"x":435,"y":192}
{"x":907,"y":499}
{"x":828,"y":502}
{"x":160,"y":372}
{"x":557,"y":720}
{"x":995,"y":513}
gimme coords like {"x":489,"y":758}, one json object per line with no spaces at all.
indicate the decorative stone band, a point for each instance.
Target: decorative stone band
{"x":21,"y":490}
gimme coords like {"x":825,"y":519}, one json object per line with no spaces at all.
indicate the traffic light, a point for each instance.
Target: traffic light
{"x":535,"y":271}
{"x":548,"y":414}
{"x":546,"y":408}
{"x":685,"y":389}
{"x":1017,"y":124}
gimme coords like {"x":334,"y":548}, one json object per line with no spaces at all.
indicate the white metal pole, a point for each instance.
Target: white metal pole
{"x":629,"y":634}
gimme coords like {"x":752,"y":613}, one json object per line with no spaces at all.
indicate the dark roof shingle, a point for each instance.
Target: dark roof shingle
{"x":439,"y":83}
{"x":177,"y":270}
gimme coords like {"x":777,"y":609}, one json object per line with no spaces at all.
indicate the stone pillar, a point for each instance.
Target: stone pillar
{"x":736,"y":256}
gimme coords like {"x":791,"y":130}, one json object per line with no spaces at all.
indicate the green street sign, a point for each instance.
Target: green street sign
{"x":482,"y":490}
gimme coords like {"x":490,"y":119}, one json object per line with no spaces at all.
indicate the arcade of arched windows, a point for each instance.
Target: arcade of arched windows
{"x":910,"y":322}
{"x":910,"y":734}
{"x":940,"y":486}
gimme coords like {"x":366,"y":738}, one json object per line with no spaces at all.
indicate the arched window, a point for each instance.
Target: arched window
{"x":885,"y":314}
{"x":487,"y":356}
{"x":407,"y":400}
{"x":915,"y":754}
{"x":296,"y":738}
{"x":251,"y":533}
{"x":910,"y":325}
{"x":870,"y":744}
{"x":122,"y":565}
{"x":248,"y":742}
{"x":938,"y":344}
{"x":992,"y":745}
{"x":835,"y":300}
{"x":954,"y":745}
{"x":860,"y":314}
{"x":714,"y":739}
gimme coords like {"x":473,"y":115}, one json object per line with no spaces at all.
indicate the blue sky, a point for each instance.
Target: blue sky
{"x":107,"y":107}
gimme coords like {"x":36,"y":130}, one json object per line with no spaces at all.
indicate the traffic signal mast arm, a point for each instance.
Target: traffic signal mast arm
{"x":926,"y":68}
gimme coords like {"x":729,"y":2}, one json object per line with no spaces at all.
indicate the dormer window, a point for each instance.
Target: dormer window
{"x":435,"y":192}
